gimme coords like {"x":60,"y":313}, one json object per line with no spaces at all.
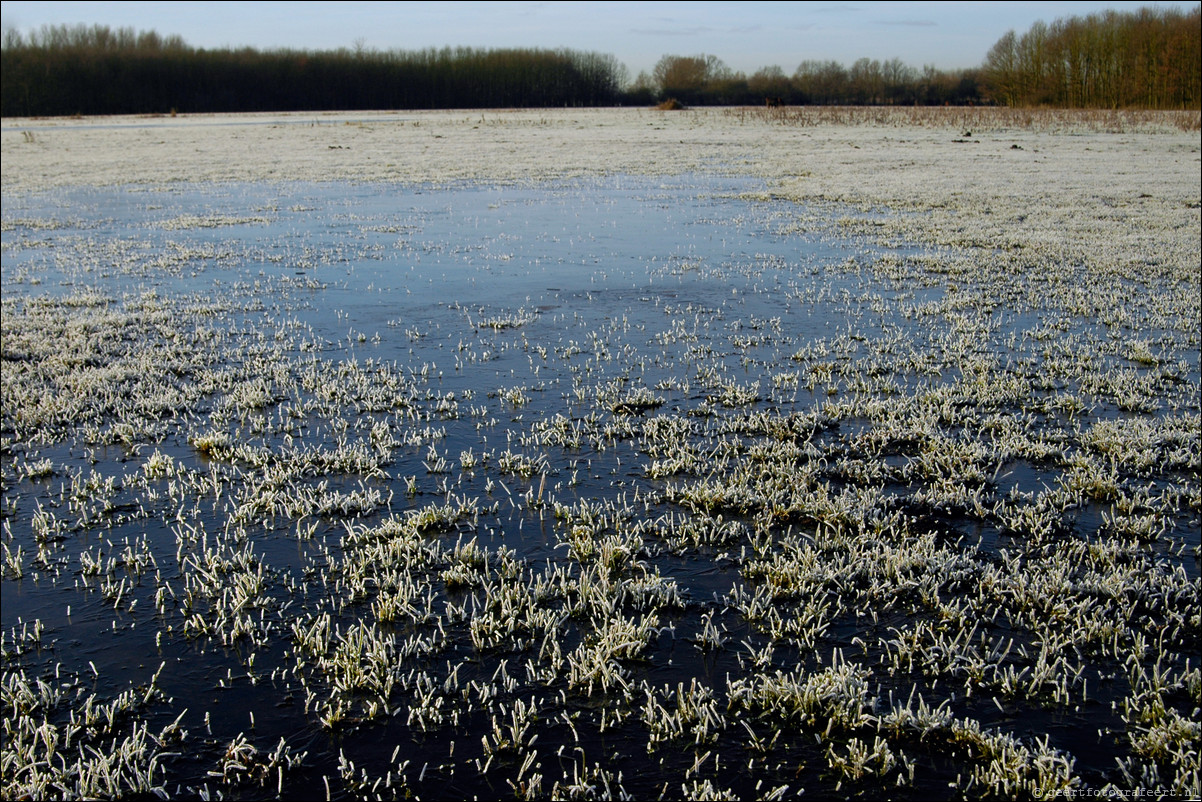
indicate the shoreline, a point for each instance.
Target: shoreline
{"x":1055,"y":187}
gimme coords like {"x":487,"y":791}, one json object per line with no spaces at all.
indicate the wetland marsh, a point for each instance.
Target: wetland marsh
{"x":602,"y":454}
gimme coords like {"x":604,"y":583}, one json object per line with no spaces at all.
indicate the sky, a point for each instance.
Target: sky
{"x":746,"y":36}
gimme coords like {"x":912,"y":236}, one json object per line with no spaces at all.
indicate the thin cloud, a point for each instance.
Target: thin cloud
{"x":698,"y":30}
{"x":695,"y":31}
{"x":911,"y":23}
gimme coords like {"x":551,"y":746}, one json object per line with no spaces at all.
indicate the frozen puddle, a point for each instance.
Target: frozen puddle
{"x":477,"y":490}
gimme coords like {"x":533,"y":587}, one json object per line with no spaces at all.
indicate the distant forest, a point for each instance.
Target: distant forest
{"x":1151,"y":58}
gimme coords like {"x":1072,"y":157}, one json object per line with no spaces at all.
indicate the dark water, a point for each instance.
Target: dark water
{"x":538,"y":354}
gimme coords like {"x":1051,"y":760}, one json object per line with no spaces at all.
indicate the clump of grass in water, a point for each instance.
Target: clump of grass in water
{"x":514,"y":320}
{"x":637,"y":402}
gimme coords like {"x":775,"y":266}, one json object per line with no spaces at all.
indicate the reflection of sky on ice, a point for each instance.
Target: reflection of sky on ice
{"x":517,"y":323}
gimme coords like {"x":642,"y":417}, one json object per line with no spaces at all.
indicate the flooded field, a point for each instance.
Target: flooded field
{"x":672,"y":483}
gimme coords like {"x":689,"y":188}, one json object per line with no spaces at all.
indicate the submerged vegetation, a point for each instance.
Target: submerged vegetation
{"x":880,"y":477}
{"x":384,"y":490}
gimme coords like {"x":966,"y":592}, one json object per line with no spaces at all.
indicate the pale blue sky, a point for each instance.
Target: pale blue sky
{"x":745,"y":35}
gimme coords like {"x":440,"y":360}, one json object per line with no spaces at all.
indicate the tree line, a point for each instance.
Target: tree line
{"x":706,"y":80}
{"x":1148,"y":59}
{"x":64,"y":70}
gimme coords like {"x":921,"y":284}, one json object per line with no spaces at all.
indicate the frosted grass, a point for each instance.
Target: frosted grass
{"x":861,"y":461}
